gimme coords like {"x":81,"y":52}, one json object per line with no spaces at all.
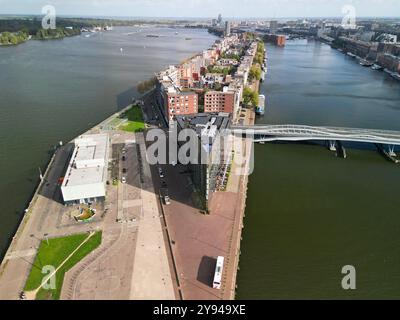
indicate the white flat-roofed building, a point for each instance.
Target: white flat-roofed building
{"x":86,"y":176}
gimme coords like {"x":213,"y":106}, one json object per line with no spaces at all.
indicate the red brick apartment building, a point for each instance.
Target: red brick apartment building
{"x":219,"y":101}
{"x":281,"y":41}
{"x":181,"y":103}
{"x":278,"y":40}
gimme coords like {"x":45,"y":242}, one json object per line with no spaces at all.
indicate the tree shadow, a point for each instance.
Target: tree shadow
{"x":124,"y":98}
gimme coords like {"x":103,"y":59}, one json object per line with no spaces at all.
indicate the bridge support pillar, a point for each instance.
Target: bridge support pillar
{"x":341,"y":150}
{"x":332,"y":145}
{"x":391,"y":150}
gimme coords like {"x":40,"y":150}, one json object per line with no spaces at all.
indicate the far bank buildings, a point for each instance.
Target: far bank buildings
{"x":204,"y":93}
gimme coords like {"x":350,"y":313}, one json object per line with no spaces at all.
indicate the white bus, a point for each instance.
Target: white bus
{"x":218,"y":273}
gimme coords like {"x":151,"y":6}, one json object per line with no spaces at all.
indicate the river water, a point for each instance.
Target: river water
{"x":309,"y":213}
{"x":52,"y":91}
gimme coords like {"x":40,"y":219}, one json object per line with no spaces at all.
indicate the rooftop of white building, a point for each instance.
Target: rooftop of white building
{"x":88,"y":164}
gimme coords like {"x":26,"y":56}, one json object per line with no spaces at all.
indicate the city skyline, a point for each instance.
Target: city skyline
{"x":205,"y":9}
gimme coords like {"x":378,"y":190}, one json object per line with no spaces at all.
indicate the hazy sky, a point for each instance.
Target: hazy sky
{"x":205,"y":8}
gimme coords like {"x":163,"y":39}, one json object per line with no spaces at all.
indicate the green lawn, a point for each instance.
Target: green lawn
{"x":132,"y":126}
{"x":135,"y":121}
{"x":54,"y":253}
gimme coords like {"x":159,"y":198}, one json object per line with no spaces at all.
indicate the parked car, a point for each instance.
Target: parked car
{"x":163,"y":184}
{"x":161,"y":173}
{"x":124,"y":170}
{"x":123,"y":158}
{"x":167,"y":200}
{"x":123,"y":180}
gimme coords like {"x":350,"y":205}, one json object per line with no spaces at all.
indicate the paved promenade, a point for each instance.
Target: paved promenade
{"x":151,"y":277}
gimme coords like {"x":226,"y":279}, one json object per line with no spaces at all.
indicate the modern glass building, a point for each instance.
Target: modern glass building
{"x":210,"y":168}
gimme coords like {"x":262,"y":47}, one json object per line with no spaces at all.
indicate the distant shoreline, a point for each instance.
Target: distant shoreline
{"x":15,"y":31}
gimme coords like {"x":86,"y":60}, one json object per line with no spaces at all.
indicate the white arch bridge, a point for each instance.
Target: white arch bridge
{"x":266,"y":133}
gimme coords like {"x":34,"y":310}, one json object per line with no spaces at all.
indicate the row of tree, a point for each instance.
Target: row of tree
{"x":32,"y":25}
{"x":43,"y":34}
{"x":231,"y":56}
{"x":146,"y":85}
{"x":260,"y":54}
{"x":12,"y":38}
{"x":255,"y":72}
{"x":250,"y":97}
{"x":223,"y":70}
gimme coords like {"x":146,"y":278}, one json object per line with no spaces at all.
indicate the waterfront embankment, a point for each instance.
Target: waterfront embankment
{"x":240,"y":206}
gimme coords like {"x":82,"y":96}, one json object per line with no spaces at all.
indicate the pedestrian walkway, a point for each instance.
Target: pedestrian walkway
{"x":20,"y":254}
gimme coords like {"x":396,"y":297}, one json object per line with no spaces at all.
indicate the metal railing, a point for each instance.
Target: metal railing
{"x":302,"y":132}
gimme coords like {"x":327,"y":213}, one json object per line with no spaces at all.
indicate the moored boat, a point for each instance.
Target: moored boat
{"x":260,"y":109}
{"x":262,"y":76}
{"x":376,"y":67}
{"x":365,"y":63}
{"x":394,"y":75}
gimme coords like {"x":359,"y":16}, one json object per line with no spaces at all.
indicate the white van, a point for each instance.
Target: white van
{"x":218,"y":273}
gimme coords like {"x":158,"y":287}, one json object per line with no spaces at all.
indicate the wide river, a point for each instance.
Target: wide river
{"x":308,"y":213}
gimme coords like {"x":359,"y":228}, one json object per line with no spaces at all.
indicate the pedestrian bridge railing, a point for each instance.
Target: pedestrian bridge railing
{"x":265,"y":133}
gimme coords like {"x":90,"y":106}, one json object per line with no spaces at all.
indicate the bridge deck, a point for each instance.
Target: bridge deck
{"x":301,"y":132}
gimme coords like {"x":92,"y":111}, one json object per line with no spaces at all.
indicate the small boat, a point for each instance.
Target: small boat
{"x":395,"y":76}
{"x":365,"y":63}
{"x":152,"y":36}
{"x":376,"y":67}
{"x":260,"y":109}
{"x":351,"y":55}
